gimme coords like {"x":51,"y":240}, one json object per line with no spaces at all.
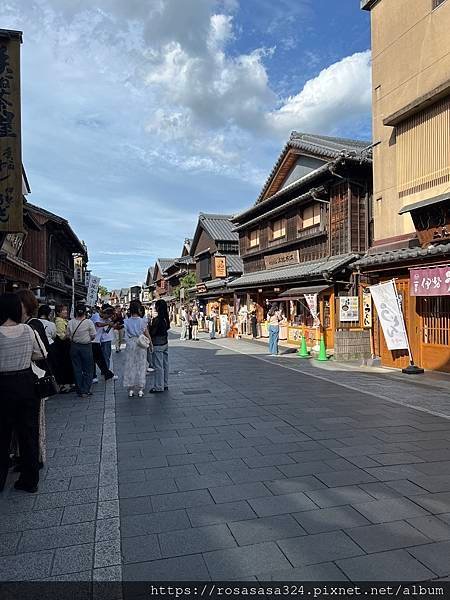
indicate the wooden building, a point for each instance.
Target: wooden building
{"x":308,"y":225}
{"x":215,"y":249}
{"x":411,"y":208}
{"x":56,"y":250}
{"x":162,"y":287}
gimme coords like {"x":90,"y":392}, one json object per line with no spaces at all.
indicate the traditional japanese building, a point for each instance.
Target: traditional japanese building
{"x":411,"y":208}
{"x":215,"y":248}
{"x":162,"y":287}
{"x":55,"y":250}
{"x":307,"y":227}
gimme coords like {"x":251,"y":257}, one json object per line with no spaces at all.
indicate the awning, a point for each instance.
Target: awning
{"x":296,"y":293}
{"x":424,"y":203}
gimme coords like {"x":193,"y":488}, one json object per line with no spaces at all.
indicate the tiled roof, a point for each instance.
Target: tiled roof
{"x":124,"y":291}
{"x":404,"y":254}
{"x":165,"y":263}
{"x":219,"y":227}
{"x":307,"y":270}
{"x":234,"y":263}
{"x":185,"y":260}
{"x":319,"y":145}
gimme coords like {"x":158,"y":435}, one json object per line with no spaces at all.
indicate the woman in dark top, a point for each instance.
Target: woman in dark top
{"x":29,"y":310}
{"x":159,"y":327}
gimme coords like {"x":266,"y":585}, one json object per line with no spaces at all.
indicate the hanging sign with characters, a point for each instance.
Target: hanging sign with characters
{"x":367,"y":308}
{"x":430,"y":281}
{"x":387,"y":303}
{"x":11,"y":197}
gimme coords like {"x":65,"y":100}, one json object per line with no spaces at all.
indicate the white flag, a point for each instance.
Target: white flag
{"x":384,"y":296}
{"x":311,"y":301}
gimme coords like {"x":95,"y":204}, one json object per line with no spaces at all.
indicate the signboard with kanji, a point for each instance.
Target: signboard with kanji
{"x":11,"y":199}
{"x":430,"y":281}
{"x":349,"y":308}
{"x":220,"y":267}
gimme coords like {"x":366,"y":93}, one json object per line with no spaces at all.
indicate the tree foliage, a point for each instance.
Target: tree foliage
{"x":186,"y":282}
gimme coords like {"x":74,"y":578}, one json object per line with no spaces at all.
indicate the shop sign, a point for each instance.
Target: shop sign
{"x":311,"y":301}
{"x":219,"y":267}
{"x":201,"y":288}
{"x":367,"y":308}
{"x":78,"y":269}
{"x":388,"y":307}
{"x":92,"y":294}
{"x":11,"y":199}
{"x":281,"y":260}
{"x":430,"y":281}
{"x":13,"y":243}
{"x":348,"y":308}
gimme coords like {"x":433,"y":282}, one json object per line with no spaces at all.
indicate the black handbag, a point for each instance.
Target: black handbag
{"x":45,"y":386}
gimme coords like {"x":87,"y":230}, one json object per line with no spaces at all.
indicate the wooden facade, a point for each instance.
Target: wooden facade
{"x":316,"y":215}
{"x":44,"y":261}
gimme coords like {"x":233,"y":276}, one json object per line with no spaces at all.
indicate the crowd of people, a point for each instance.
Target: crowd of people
{"x":39,"y":344}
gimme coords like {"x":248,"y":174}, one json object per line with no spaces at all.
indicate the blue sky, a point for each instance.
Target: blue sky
{"x":138,"y":115}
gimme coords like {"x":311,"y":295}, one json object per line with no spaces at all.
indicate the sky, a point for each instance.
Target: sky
{"x":139,"y":114}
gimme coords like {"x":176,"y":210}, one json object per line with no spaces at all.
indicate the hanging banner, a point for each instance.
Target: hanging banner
{"x":348,"y":308}
{"x":367,"y":308}
{"x":430,"y":281}
{"x":386,"y":302}
{"x":92,"y":294}
{"x":78,"y":269}
{"x":11,"y":193}
{"x":311,"y":301}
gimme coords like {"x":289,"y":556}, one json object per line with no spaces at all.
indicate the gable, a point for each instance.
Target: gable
{"x":304,"y":165}
{"x":205,"y":241}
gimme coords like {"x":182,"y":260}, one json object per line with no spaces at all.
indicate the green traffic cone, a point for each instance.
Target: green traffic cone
{"x":322,"y":350}
{"x":303,"y":350}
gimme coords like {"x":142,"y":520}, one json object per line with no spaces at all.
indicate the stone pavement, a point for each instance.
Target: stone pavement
{"x":246,"y":469}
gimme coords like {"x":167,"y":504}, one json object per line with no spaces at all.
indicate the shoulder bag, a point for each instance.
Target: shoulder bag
{"x":45,"y":386}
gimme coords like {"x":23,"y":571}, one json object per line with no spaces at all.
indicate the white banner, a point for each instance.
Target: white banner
{"x":311,"y":301}
{"x":386,"y":302}
{"x":91,"y":298}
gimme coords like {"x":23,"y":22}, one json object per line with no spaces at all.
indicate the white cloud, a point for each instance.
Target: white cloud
{"x":339,"y":94}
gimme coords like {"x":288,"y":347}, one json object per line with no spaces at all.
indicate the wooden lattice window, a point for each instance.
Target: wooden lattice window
{"x":311,"y":216}
{"x":435,"y":316}
{"x":278,"y":229}
{"x":423,"y":150}
{"x":253,"y":240}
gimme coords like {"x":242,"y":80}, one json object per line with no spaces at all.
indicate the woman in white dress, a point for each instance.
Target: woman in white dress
{"x":136,"y":354}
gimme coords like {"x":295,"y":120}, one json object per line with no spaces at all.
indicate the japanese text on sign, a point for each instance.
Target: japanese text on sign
{"x":11,"y":202}
{"x":431,"y":281}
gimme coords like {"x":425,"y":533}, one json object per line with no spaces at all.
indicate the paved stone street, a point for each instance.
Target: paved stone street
{"x":250,"y":467}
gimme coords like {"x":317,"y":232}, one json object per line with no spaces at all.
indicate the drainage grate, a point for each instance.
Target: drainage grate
{"x":195,"y":392}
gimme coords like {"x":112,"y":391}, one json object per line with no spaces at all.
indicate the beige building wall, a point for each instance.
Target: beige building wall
{"x":411,"y":57}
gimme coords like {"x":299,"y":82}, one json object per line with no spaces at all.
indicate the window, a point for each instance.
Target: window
{"x":423,"y":148}
{"x":254,"y":238}
{"x":311,"y":216}
{"x":278,"y":229}
{"x":436,"y":3}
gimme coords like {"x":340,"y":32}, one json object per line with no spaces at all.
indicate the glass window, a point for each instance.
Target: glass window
{"x":311,"y":216}
{"x":278,"y":229}
{"x":254,"y":238}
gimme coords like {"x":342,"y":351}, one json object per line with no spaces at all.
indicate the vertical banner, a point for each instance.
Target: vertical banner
{"x":11,"y":197}
{"x":311,"y":301}
{"x":78,"y":269}
{"x":91,"y":298}
{"x":367,"y":308}
{"x":386,"y":302}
